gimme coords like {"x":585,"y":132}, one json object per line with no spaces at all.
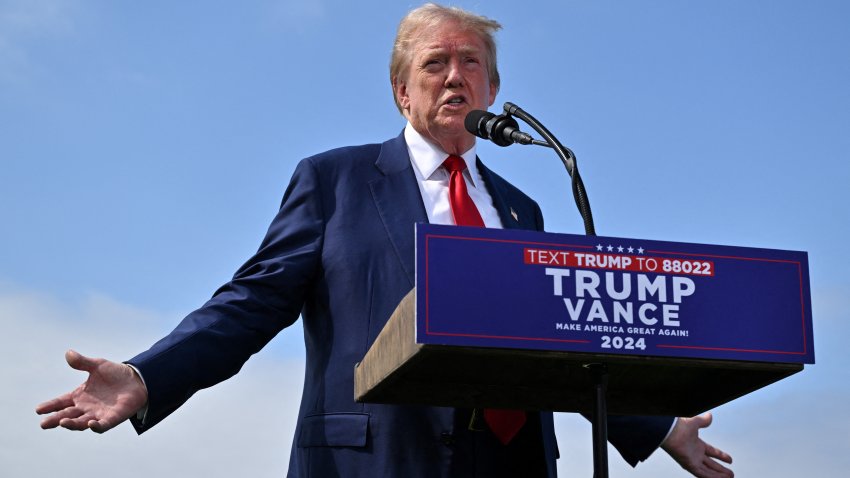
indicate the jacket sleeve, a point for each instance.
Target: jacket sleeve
{"x":637,"y":437}
{"x":265,"y":295}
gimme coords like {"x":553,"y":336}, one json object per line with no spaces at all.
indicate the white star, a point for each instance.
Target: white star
{"x":640,"y":250}
{"x":610,"y":248}
{"x":631,"y":249}
{"x":599,"y":247}
{"x":619,"y":248}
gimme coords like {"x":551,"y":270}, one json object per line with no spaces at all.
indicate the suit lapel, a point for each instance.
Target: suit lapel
{"x":502,"y":200}
{"x":399,"y":201}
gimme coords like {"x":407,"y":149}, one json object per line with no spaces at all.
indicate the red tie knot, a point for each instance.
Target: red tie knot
{"x":454,"y":163}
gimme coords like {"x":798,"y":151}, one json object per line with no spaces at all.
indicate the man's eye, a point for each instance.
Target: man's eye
{"x":432,"y":65}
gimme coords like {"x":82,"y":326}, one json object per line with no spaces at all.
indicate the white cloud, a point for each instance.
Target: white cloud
{"x":297,"y":15}
{"x":22,"y":21}
{"x":242,"y":427}
{"x":799,"y":435}
{"x":795,"y":427}
{"x":35,"y":17}
{"x":786,"y":430}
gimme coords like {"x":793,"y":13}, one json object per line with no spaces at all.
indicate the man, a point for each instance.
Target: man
{"x":340,"y":253}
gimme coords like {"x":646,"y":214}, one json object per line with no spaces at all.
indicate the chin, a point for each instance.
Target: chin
{"x":454,"y":121}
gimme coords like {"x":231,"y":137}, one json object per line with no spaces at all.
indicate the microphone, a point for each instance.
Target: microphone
{"x":500,"y":129}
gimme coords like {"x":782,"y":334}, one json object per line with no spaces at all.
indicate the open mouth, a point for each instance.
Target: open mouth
{"x":456,"y":100}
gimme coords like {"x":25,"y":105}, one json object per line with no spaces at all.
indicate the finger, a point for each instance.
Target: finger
{"x":58,"y":403}
{"x":100,"y":426}
{"x":718,"y":454}
{"x":78,"y":361}
{"x":97,"y":426}
{"x":77,"y":424}
{"x":55,"y":420}
{"x":105,"y":423}
{"x":51,"y":421}
{"x":716,"y":468}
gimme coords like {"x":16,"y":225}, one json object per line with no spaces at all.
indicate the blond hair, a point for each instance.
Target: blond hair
{"x":429,"y":16}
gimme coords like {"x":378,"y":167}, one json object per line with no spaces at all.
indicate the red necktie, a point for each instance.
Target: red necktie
{"x":505,"y":424}
{"x":463,"y":209}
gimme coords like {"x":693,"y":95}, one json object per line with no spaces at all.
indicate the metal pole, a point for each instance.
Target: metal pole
{"x":599,"y":376}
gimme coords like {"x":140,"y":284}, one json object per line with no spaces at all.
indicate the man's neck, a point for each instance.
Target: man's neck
{"x":459,"y":148}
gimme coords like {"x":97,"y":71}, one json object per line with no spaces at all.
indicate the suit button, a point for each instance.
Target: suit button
{"x":447,"y":438}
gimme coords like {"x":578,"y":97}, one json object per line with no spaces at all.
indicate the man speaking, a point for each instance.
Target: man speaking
{"x":340,"y":253}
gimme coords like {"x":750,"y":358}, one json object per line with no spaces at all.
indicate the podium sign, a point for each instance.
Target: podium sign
{"x":609,"y":295}
{"x":512,"y":319}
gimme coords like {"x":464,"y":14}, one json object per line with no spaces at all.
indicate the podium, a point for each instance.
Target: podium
{"x":513,"y":319}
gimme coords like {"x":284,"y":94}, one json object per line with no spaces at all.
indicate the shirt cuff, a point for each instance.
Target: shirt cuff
{"x":142,"y":413}
{"x":672,"y":426}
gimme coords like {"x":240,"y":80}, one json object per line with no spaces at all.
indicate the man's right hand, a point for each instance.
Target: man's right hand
{"x":112,"y":393}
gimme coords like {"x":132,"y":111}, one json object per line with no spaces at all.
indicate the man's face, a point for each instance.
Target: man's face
{"x":447,"y":78}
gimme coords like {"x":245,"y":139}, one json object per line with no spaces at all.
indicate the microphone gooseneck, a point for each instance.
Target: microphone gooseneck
{"x":503,"y":130}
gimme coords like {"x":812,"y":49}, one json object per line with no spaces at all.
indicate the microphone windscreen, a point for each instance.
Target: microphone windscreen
{"x":475,"y":121}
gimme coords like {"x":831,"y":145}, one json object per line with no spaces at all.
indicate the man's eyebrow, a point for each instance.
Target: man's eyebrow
{"x":463,"y":49}
{"x":469,"y":49}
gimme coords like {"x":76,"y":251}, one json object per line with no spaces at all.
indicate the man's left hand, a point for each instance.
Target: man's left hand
{"x":693,"y":454}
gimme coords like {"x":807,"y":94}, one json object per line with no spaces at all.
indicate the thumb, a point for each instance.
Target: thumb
{"x":704,"y":420}
{"x":78,"y":361}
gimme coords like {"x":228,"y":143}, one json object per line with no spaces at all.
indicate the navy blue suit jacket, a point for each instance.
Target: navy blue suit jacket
{"x":340,"y":253}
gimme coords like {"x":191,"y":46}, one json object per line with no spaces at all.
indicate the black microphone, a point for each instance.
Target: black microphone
{"x":500,"y":129}
{"x":476,"y":122}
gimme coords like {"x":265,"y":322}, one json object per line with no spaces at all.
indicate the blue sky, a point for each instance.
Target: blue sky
{"x":145,"y":146}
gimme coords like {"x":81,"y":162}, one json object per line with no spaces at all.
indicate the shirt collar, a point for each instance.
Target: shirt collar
{"x":427,"y":157}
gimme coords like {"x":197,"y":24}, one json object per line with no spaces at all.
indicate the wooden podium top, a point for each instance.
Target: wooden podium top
{"x":398,"y":370}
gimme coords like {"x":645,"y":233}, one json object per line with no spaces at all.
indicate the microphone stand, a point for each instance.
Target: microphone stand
{"x":598,"y":371}
{"x":567,"y":157}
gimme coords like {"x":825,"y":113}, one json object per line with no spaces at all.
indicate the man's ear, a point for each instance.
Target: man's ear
{"x":493,"y":91}
{"x":400,"y":90}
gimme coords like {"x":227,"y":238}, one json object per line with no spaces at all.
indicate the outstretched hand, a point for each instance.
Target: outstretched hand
{"x":112,"y":393}
{"x":693,"y":454}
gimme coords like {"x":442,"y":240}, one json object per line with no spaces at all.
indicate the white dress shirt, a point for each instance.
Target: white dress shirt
{"x":433,"y":181}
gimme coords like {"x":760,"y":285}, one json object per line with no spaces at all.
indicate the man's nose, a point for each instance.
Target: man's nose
{"x":454,"y":76}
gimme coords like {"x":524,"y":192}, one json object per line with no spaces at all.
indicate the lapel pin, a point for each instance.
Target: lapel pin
{"x":514,"y":214}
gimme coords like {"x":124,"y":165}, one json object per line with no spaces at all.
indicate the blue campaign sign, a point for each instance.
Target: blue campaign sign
{"x":595,"y":294}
